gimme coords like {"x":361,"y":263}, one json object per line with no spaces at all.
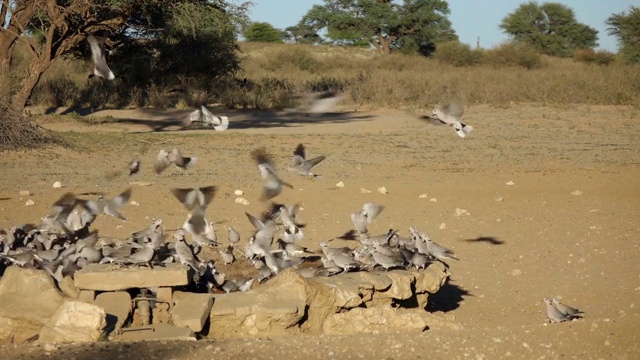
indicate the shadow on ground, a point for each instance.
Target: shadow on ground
{"x":486,"y":239}
{"x":157,"y":120}
{"x":447,"y":298}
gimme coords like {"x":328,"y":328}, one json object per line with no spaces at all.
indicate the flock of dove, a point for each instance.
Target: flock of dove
{"x":64,"y":242}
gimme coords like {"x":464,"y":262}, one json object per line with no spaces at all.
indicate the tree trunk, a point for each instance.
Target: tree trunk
{"x":28,"y":84}
{"x":383,"y":44}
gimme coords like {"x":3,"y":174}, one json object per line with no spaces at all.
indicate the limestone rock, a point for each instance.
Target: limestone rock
{"x":68,"y":288}
{"x":191,"y":310}
{"x":117,"y":306}
{"x":106,"y":277}
{"x":74,"y":321}
{"x":29,"y":298}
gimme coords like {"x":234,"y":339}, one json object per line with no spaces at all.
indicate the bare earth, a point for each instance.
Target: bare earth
{"x":543,"y":239}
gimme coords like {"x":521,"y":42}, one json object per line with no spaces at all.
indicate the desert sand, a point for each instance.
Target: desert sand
{"x":538,"y":202}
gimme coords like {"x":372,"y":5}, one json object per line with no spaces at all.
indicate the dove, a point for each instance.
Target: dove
{"x":301,"y":165}
{"x":204,"y":116}
{"x":185,"y":253}
{"x":387,"y":261}
{"x":165,"y":159}
{"x":196,"y":200}
{"x":293,"y":249}
{"x":450,"y":115}
{"x":440,"y":252}
{"x":553,"y":314}
{"x":100,"y":67}
{"x":320,"y":102}
{"x":234,"y":236}
{"x":142,"y":256}
{"x":107,"y":206}
{"x":134,"y":167}
{"x":566,"y":310}
{"x":272,"y":183}
{"x":331,"y":252}
{"x":330,"y":266}
{"x":363,"y":218}
{"x":420,"y":261}
{"x":271,"y":263}
{"x":227,"y":256}
{"x":265,"y":228}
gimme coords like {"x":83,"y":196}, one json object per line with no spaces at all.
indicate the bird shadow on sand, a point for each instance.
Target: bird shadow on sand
{"x":485,"y":239}
{"x":171,"y":120}
{"x":447,"y":298}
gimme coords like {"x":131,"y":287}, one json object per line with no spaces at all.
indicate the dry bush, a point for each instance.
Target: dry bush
{"x":458,"y":54}
{"x":514,"y":54}
{"x":590,"y":56}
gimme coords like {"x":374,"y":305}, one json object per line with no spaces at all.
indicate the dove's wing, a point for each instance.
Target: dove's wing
{"x":300,"y":151}
{"x":372,"y":210}
{"x":162,"y":161}
{"x":223,"y":125}
{"x":313,"y":162}
{"x":207,"y":116}
{"x":99,"y":62}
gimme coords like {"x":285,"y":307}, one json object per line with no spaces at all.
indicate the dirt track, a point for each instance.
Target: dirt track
{"x":539,"y":241}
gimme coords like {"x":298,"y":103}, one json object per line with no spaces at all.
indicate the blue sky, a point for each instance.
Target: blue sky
{"x":470,"y":18}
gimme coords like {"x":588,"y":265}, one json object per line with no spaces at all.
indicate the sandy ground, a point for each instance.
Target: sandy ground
{"x":518,"y":243}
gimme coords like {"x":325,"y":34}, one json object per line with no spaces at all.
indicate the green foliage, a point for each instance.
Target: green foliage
{"x":551,"y":28}
{"x":415,"y":25}
{"x":262,"y":32}
{"x":458,"y":54}
{"x":590,"y":56}
{"x":514,"y":54}
{"x":302,"y":34}
{"x":626,"y":27}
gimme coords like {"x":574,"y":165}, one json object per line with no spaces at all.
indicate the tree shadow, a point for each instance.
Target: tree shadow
{"x":447,"y":298}
{"x":171,"y":120}
{"x":487,"y":239}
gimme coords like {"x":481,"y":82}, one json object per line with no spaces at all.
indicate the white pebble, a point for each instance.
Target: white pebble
{"x":25,"y":193}
{"x":443,"y":226}
{"x":364,"y":191}
{"x":340,"y":184}
{"x":29,"y":203}
{"x":499,"y":199}
{"x":460,"y":212}
{"x":516,"y":272}
{"x":509,"y":182}
{"x":423,"y":196}
{"x":382,"y":190}
{"x":576,"y":193}
{"x":242,"y":201}
{"x":134,"y":203}
{"x":57,"y":185}
{"x":433,"y":200}
{"x":238,"y":192}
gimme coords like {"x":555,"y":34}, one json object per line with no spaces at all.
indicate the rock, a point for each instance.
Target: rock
{"x":242,"y":201}
{"x":276,"y":307}
{"x":74,"y":321}
{"x":576,"y":193}
{"x":510,"y":183}
{"x":365,"y":191}
{"x":423,"y":196}
{"x":340,"y":184}
{"x":460,"y":212}
{"x":442,"y":226}
{"x":154,"y":332}
{"x":134,"y":203}
{"x":433,"y":200}
{"x":499,"y":199}
{"x":238,"y":192}
{"x":382,"y":190}
{"x":104,"y":277}
{"x":29,"y":203}
{"x":117,"y":306}
{"x":29,"y":298}
{"x":191,"y":310}
{"x":25,"y":193}
{"x":68,"y":288}
{"x":57,"y":185}
{"x":141,"y":183}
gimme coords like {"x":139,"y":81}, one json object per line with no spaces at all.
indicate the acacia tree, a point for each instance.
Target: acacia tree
{"x":551,"y":28}
{"x":302,"y":34}
{"x":262,"y":32}
{"x":626,"y":27}
{"x":384,"y":24}
{"x":51,"y":28}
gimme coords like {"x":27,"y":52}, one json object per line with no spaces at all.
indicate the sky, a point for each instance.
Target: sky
{"x":470,"y":18}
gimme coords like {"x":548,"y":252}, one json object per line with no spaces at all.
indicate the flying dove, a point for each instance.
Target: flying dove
{"x":301,"y":165}
{"x":204,"y":116}
{"x":450,"y":115}
{"x":100,"y":67}
{"x":272,"y":183}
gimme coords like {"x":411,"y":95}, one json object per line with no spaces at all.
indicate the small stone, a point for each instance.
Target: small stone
{"x":340,"y":184}
{"x":238,"y":192}
{"x":242,"y":201}
{"x":29,"y":203}
{"x":510,"y":183}
{"x":423,"y":196}
{"x":50,"y":347}
{"x":141,"y":183}
{"x":576,"y":193}
{"x":499,"y":198}
{"x":516,"y":272}
{"x":433,"y":200}
{"x":134,"y":203}
{"x":364,"y":191}
{"x":382,"y":190}
{"x":443,"y":226}
{"x":25,"y":193}
{"x":460,"y":212}
{"x":57,"y":185}
{"x":119,"y":226}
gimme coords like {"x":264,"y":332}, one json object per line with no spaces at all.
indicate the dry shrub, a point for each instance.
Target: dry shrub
{"x":292,"y":56}
{"x":514,"y":54}
{"x":590,"y":56}
{"x":458,"y":54}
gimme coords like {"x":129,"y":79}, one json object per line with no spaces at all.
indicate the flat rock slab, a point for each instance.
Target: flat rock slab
{"x":118,"y":307}
{"x":107,"y":277}
{"x":191,"y":310}
{"x":154,"y":332}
